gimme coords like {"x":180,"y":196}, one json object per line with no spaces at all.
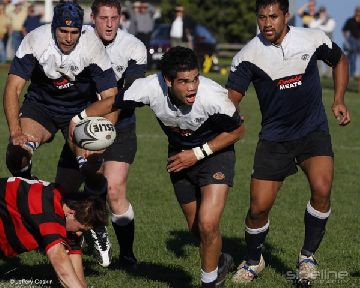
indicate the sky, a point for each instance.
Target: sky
{"x":340,"y":10}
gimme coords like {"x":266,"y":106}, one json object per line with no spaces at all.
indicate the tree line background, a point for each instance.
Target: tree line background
{"x":232,"y":21}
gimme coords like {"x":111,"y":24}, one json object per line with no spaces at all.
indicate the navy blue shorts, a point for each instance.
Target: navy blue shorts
{"x":276,"y":160}
{"x":52,"y":122}
{"x":216,"y":169}
{"x":124,"y":147}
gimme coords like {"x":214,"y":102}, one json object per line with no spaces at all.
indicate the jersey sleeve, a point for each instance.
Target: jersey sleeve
{"x":104,"y":79}
{"x":134,"y":71}
{"x":225,"y":123}
{"x":52,"y":232}
{"x":240,"y":75}
{"x":24,"y":61}
{"x":137,"y":63}
{"x":135,"y":96}
{"x":99,"y":64}
{"x":74,"y":243}
{"x":327,"y":51}
{"x":222,"y":112}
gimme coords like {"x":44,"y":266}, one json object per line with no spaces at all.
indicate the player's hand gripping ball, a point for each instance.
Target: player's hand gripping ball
{"x":94,"y":133}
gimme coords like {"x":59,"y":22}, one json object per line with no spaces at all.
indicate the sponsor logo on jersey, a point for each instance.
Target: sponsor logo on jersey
{"x":62,"y":84}
{"x":119,"y":68}
{"x":305,"y":57}
{"x":292,"y":82}
{"x":74,"y":68}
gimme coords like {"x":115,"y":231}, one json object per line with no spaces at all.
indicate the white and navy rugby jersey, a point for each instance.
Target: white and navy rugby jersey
{"x":128,"y":56}
{"x":186,"y":126}
{"x":286,"y":80}
{"x":62,"y":82}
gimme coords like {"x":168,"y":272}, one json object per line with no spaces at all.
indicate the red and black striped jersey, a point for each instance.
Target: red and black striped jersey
{"x":31,"y":216}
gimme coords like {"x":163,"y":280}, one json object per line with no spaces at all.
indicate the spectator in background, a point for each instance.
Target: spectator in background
{"x":133,"y":15}
{"x":4,"y":29}
{"x":144,"y":25}
{"x":351,"y":32}
{"x":32,"y":21}
{"x":182,"y":29}
{"x":17,"y":18}
{"x":125,"y":21}
{"x":8,"y":8}
{"x":327,"y":24}
{"x":307,"y":13}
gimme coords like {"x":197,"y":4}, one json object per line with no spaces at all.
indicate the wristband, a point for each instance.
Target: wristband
{"x":77,"y":118}
{"x":198,"y":153}
{"x":207,"y":149}
{"x":202,"y":151}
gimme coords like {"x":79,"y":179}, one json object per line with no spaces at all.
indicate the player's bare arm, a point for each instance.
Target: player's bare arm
{"x":341,"y":79}
{"x":64,"y":267}
{"x":13,"y":88}
{"x":187,"y":158}
{"x":76,"y":261}
{"x":113,"y":117}
{"x":235,"y":97}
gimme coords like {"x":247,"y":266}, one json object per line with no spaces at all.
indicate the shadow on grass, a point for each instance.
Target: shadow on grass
{"x":174,"y":277}
{"x":12,"y":269}
{"x":234,"y":246}
{"x":15,"y":273}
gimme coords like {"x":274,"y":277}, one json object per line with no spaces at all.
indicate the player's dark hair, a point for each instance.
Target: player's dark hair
{"x":178,"y":59}
{"x":95,"y":6}
{"x":284,"y":4}
{"x":90,"y":205}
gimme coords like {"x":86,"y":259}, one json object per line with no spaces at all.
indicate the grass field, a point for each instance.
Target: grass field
{"x":168,"y":253}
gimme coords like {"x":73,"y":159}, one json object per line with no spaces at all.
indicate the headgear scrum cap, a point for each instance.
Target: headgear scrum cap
{"x":67,"y":14}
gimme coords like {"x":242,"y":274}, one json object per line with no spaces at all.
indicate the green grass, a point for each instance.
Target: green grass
{"x":168,"y":253}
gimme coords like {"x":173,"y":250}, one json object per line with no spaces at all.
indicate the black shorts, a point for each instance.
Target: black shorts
{"x":124,"y":147}
{"x":216,"y":169}
{"x":50,"y":121}
{"x":277,"y":160}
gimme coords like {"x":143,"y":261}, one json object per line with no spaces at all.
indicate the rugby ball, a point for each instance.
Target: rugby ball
{"x":94,"y":133}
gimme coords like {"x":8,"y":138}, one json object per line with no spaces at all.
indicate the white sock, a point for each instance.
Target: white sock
{"x":208,"y":277}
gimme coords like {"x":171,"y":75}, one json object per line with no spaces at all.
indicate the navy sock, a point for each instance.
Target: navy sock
{"x":125,"y":237}
{"x":315,"y":222}
{"x":255,"y":239}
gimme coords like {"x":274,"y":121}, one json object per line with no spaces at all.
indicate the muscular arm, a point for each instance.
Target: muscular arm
{"x":235,"y":97}
{"x":103,"y":106}
{"x":76,"y":261}
{"x":341,"y":79}
{"x":108,"y":94}
{"x":13,"y":88}
{"x":64,"y":268}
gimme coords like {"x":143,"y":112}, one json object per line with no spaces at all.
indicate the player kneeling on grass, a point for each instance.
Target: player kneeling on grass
{"x":202,"y":125}
{"x":34,"y":215}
